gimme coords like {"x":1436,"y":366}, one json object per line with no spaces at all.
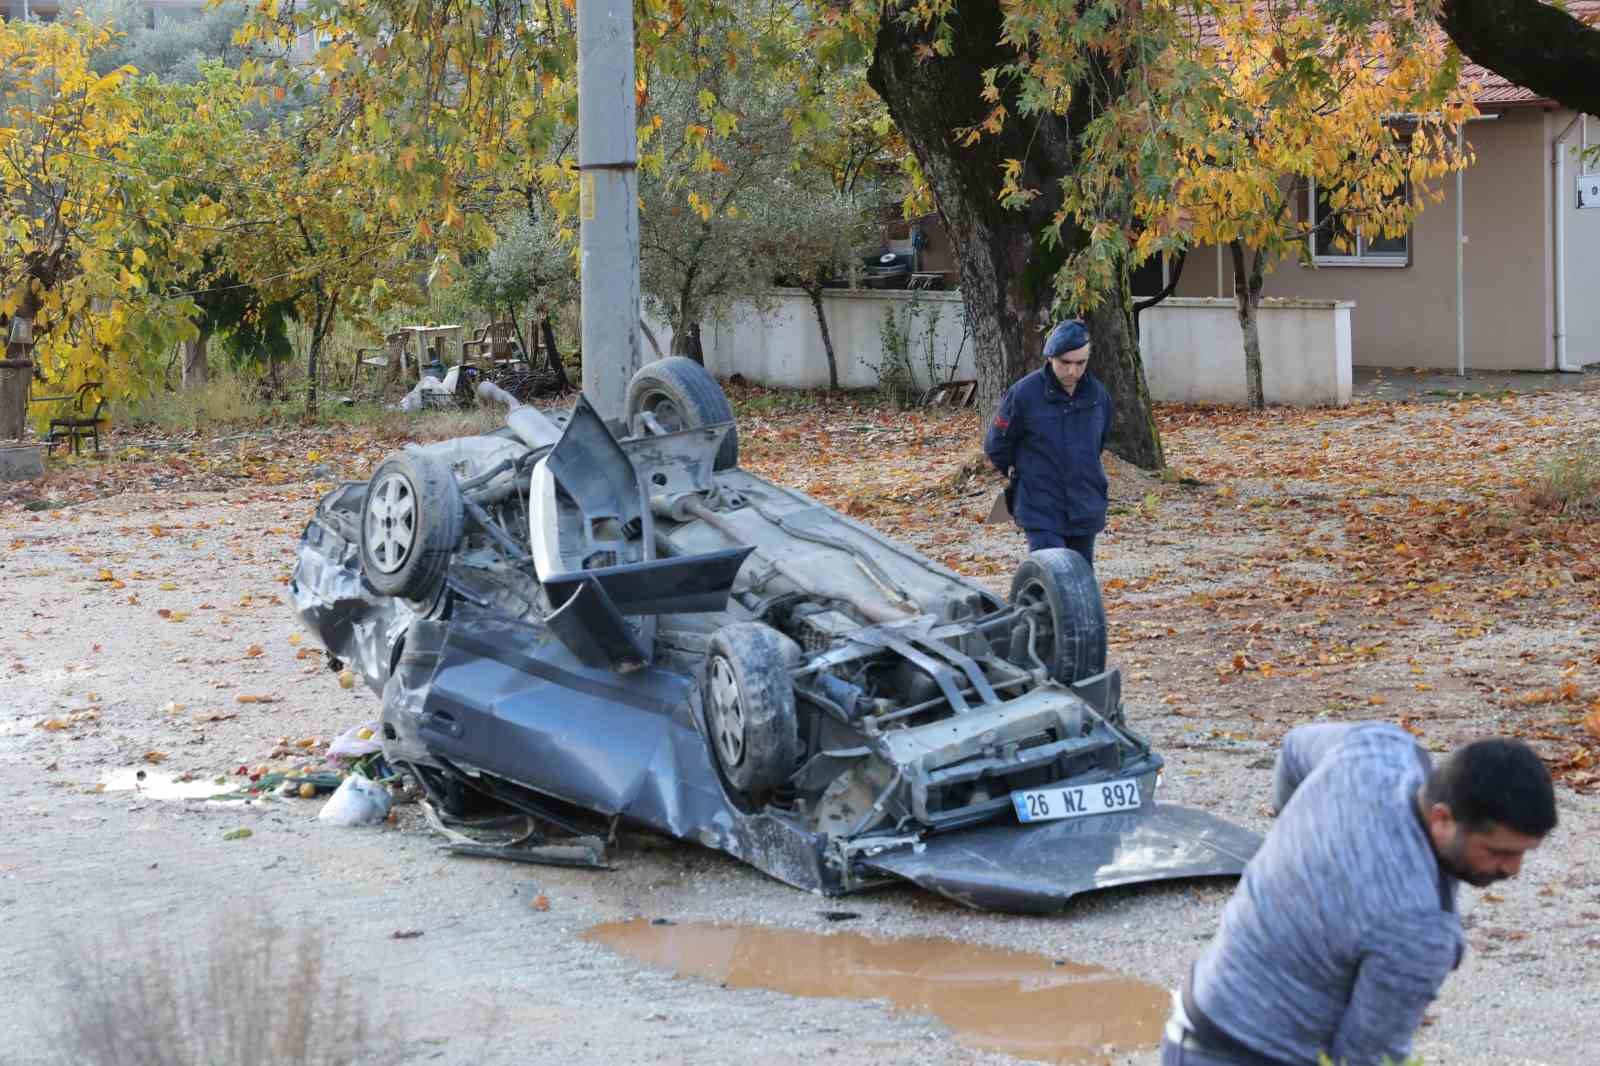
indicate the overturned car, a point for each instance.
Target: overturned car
{"x":590,"y":622}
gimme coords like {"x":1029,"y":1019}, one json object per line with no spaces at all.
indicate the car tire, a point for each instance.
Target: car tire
{"x":750,"y":711}
{"x":682,"y":394}
{"x":411,"y":522}
{"x":1072,"y":642}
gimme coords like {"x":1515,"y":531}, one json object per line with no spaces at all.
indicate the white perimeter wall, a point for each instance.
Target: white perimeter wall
{"x":1193,"y":352}
{"x":779,"y":342}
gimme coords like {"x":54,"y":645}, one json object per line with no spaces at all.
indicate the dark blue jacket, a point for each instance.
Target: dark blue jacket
{"x":1054,"y":441}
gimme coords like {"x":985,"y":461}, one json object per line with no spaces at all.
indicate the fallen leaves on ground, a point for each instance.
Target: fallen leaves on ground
{"x":1380,"y":560}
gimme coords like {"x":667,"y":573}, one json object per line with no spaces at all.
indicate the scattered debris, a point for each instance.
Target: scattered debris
{"x":162,"y":786}
{"x":355,"y":743}
{"x":357,"y":801}
{"x":951,"y":394}
{"x":529,"y":845}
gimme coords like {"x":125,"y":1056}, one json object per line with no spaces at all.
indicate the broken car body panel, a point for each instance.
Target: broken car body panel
{"x":1022,"y":868}
{"x":623,"y":631}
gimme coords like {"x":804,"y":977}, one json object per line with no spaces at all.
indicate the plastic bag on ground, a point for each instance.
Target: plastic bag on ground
{"x":357,"y":801}
{"x":349,"y":744}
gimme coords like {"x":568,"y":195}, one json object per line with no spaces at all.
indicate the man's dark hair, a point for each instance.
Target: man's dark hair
{"x":1498,"y":781}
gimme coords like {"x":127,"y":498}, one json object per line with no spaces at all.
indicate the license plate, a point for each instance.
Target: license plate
{"x":1075,"y":801}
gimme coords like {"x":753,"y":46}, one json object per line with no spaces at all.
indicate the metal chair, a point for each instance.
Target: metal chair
{"x":82,"y":423}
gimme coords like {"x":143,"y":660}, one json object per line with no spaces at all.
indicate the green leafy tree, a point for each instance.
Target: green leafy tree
{"x":813,"y":235}
{"x":482,"y":101}
{"x":171,"y":46}
{"x":530,"y":272}
{"x":86,"y":250}
{"x":720,"y":142}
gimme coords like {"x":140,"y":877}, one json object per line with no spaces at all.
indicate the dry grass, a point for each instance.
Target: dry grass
{"x":1569,"y":483}
{"x":254,"y":997}
{"x":229,"y":397}
{"x":445,"y":424}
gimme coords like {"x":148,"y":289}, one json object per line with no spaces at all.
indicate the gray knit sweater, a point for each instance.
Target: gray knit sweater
{"x":1344,"y":926}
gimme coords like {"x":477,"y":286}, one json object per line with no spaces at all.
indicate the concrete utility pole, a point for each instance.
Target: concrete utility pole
{"x":608,"y":229}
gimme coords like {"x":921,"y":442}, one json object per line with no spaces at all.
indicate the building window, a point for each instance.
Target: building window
{"x":1337,"y":241}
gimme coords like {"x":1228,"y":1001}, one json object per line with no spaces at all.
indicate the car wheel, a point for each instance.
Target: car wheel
{"x":1070,"y":637}
{"x":410,"y":524}
{"x":682,"y":394}
{"x":750,"y":713}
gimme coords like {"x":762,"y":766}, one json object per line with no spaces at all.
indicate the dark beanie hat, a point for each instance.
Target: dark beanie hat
{"x":1068,"y":336}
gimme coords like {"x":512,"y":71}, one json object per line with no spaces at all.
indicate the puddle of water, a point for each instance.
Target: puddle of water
{"x":1025,"y":1005}
{"x":160,"y":786}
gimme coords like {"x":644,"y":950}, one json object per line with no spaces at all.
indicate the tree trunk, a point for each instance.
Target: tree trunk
{"x":680,"y":335}
{"x":1005,"y":269}
{"x":312,"y":360}
{"x":529,"y":341}
{"x":686,"y":337}
{"x":322,"y":325}
{"x":696,"y":352}
{"x":552,"y":356}
{"x":196,"y":370}
{"x":1247,"y":281}
{"x":815,"y":292}
{"x":1134,"y":435}
{"x":1532,"y":44}
{"x":650,"y":338}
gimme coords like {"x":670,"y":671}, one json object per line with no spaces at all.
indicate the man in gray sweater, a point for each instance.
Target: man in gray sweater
{"x":1344,"y":926}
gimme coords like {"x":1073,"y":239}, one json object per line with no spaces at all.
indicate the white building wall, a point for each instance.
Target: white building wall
{"x":1581,"y":240}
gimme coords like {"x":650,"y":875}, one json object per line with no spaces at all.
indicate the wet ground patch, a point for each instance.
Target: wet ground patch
{"x":1030,"y":1006}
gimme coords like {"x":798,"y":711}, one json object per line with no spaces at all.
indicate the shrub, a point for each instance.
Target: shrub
{"x":229,"y":396}
{"x":253,"y":998}
{"x":1569,"y":482}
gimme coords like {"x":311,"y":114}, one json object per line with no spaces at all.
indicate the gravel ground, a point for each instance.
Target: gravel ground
{"x":121,"y":879}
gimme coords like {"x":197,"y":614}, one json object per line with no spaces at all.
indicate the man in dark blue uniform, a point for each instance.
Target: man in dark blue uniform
{"x":1047,"y":436}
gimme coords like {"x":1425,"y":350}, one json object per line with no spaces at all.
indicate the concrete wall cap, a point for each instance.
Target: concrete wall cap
{"x":1294,"y":303}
